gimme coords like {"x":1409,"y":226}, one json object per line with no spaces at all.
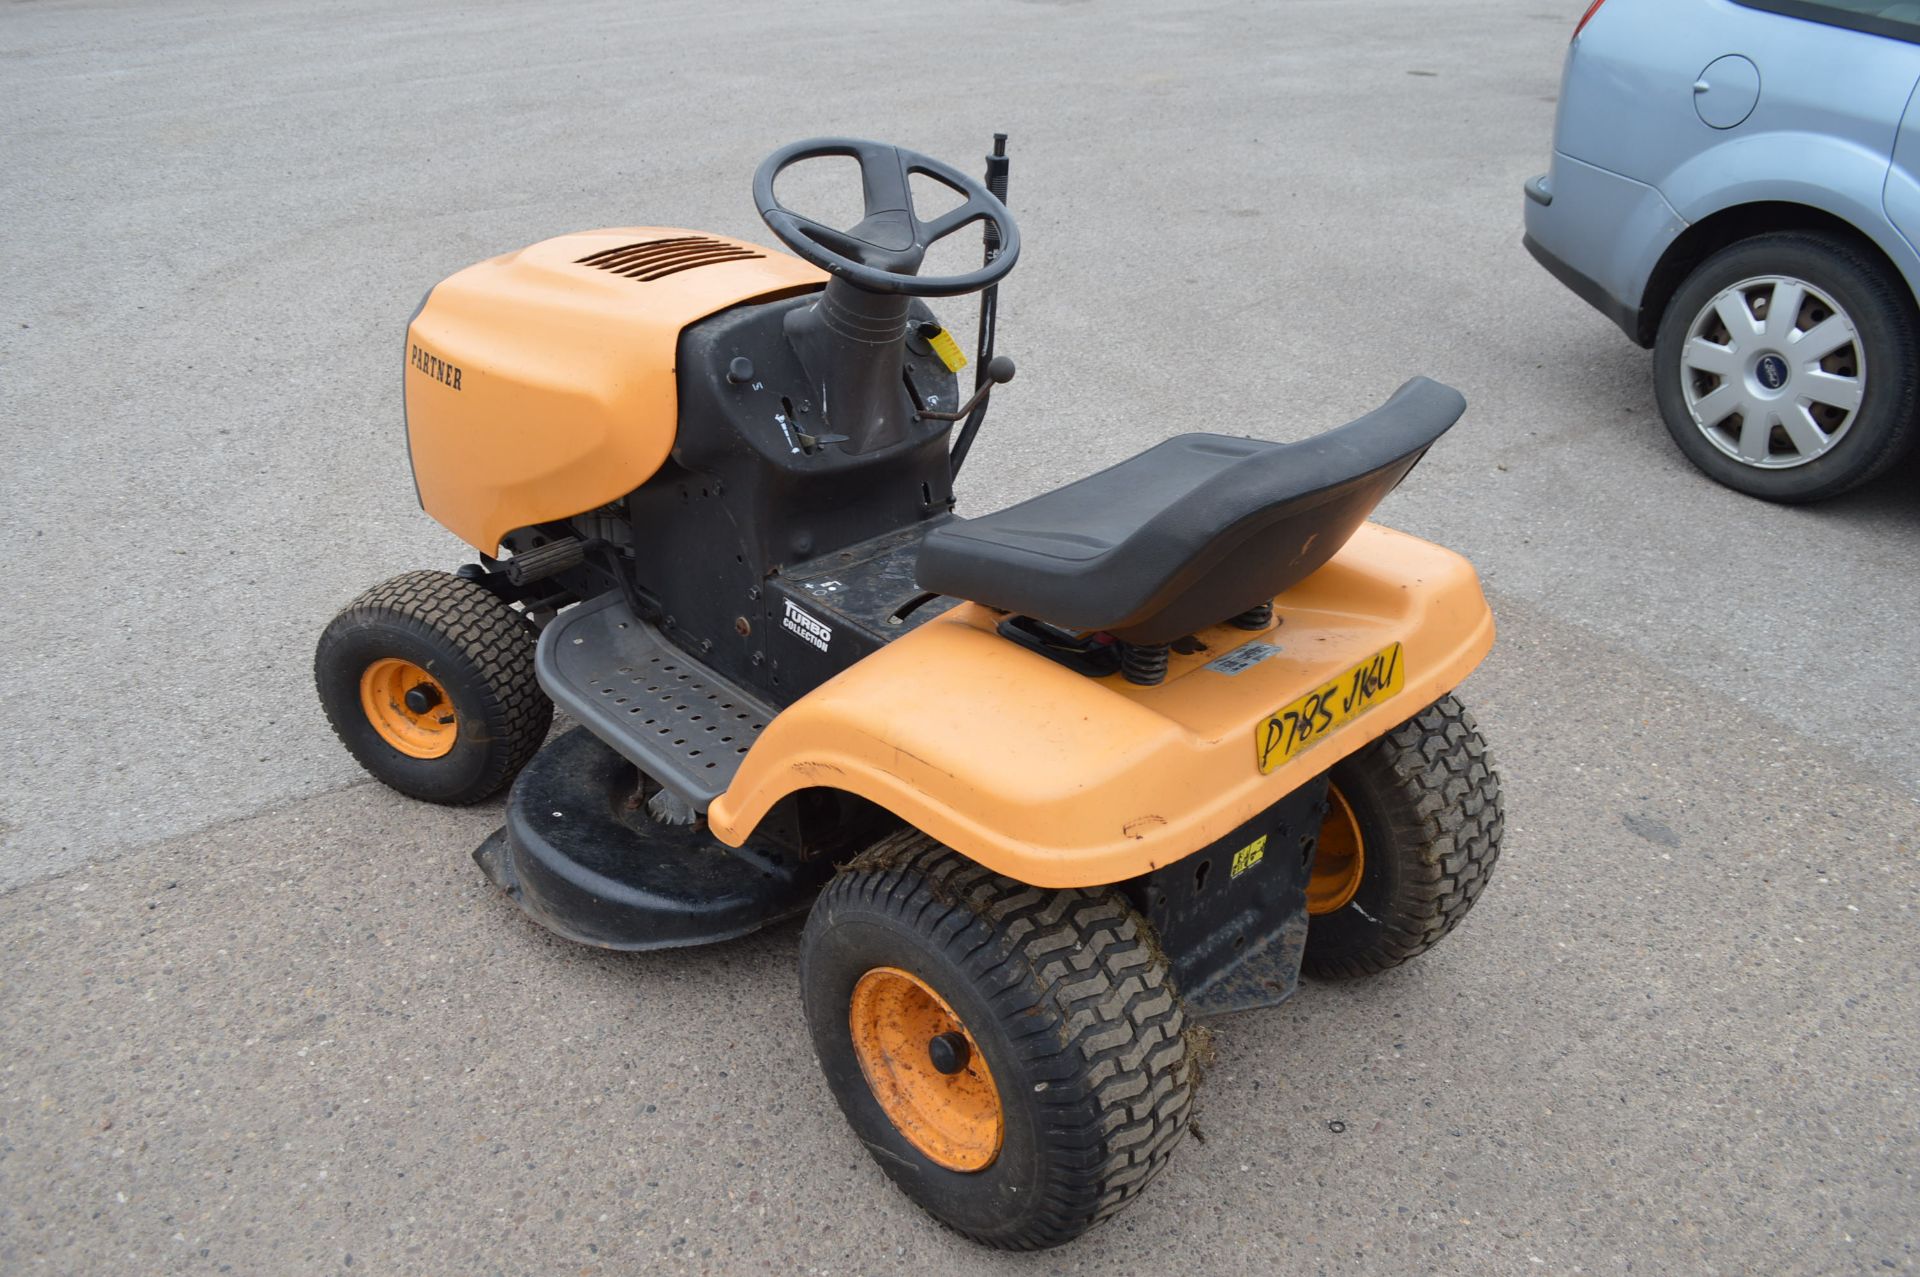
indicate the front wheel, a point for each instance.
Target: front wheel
{"x":428,"y":681}
{"x":1786,"y":367}
{"x":1015,"y":1059}
{"x":1410,"y":838}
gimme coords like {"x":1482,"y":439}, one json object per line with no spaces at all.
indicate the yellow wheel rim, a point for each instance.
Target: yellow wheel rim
{"x":901,"y":1029}
{"x":1340,"y":860}
{"x":409,"y":708}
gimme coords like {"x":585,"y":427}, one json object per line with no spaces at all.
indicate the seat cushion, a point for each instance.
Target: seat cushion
{"x":1190,"y":532}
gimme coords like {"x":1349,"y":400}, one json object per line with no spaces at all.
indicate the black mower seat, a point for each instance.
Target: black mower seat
{"x":1191,"y":532}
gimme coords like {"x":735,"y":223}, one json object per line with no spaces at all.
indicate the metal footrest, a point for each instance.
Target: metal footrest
{"x":666,"y":713}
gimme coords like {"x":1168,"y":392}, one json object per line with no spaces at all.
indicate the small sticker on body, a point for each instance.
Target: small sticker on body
{"x":948,"y":349}
{"x":1243,"y":658}
{"x":1249,"y":856}
{"x":811,"y":628}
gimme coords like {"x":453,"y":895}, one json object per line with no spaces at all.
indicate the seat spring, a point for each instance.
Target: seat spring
{"x":1144,"y":663}
{"x":1255,"y":618}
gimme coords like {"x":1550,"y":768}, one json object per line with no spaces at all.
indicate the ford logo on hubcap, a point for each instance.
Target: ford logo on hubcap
{"x":1772,"y":371}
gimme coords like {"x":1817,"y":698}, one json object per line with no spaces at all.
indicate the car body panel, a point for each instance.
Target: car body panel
{"x":1604,"y":269}
{"x":1902,"y":194}
{"x":1837,"y":177}
{"x":1631,"y":127}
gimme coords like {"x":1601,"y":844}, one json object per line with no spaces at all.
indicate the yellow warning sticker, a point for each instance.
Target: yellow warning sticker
{"x":948,"y":349}
{"x":1249,"y":856}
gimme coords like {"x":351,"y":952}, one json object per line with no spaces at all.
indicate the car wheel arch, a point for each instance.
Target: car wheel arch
{"x":1726,"y":226}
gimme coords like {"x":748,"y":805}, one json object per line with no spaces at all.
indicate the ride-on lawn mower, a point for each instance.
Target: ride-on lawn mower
{"x":1053,"y":781}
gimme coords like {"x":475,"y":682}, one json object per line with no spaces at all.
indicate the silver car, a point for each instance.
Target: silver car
{"x":1736,"y":184}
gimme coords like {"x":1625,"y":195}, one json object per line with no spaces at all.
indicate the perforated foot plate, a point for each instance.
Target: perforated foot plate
{"x":666,"y":713}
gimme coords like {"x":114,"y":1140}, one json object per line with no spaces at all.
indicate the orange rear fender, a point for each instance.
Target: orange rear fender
{"x":1057,"y":779}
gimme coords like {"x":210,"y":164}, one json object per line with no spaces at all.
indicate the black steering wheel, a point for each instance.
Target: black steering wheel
{"x":882,"y":253}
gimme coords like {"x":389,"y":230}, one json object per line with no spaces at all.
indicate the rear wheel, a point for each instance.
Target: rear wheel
{"x":428,"y":681}
{"x":1014,"y":1059}
{"x":1786,"y":367}
{"x":1409,"y":840}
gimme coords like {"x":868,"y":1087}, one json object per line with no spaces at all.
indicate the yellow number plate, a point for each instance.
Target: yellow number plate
{"x":1309,"y":720}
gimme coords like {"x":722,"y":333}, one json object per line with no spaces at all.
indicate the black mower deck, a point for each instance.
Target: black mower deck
{"x":582,"y":857}
{"x":676,"y":720}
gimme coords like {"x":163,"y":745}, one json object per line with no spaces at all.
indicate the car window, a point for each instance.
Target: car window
{"x":1901,"y":20}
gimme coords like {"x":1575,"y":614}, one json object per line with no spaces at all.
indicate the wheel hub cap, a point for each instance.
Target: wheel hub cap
{"x":1773,"y":372}
{"x":1339,"y":858}
{"x":925,"y":1070}
{"x":408,"y":707}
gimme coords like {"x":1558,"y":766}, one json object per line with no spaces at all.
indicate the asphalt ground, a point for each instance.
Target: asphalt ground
{"x":260,"y":1015}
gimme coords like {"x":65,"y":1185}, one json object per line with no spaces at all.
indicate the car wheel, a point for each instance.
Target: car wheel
{"x":1786,"y":367}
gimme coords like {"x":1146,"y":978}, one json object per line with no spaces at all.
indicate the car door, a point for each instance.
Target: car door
{"x":1903,"y":178}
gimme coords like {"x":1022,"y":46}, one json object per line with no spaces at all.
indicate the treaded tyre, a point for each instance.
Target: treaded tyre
{"x":1410,"y":838}
{"x":1787,"y":367}
{"x":1015,"y":1059}
{"x":428,"y":681}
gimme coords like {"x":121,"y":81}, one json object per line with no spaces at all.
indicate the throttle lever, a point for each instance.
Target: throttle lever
{"x":999,"y":372}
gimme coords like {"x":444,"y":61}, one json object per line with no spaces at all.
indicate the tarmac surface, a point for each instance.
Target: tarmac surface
{"x":260,"y":1015}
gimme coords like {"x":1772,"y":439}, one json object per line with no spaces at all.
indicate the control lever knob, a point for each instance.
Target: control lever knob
{"x":999,"y":373}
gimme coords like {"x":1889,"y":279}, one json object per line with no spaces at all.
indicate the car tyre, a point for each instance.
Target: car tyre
{"x":1764,"y":410}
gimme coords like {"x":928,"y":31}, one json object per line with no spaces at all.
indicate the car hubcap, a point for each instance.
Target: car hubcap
{"x":1339,"y":859}
{"x":409,"y":708}
{"x":926,"y":1070}
{"x":1773,"y":372}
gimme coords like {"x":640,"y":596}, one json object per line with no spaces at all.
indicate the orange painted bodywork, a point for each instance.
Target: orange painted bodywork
{"x":1061,"y":780}
{"x":539,"y":387}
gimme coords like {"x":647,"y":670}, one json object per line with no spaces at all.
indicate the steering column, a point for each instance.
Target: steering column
{"x":851,"y":342}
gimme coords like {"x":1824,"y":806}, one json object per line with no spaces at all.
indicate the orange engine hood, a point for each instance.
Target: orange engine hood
{"x":540,"y":385}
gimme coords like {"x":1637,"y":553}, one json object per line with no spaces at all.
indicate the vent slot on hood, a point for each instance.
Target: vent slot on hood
{"x":661,"y":257}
